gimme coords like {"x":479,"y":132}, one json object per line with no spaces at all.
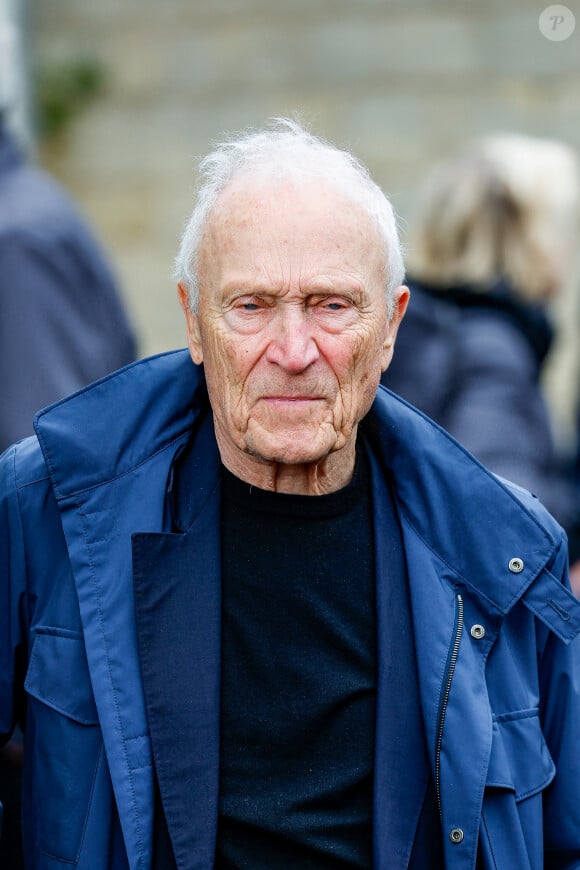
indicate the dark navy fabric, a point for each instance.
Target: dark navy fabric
{"x":163,"y":857}
{"x":471,"y":360}
{"x":62,"y":323}
{"x":177,"y":593}
{"x":299,"y":664}
{"x":404,"y":810}
{"x":504,"y":744}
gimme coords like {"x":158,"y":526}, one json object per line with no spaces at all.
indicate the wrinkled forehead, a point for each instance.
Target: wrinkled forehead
{"x":256,"y":209}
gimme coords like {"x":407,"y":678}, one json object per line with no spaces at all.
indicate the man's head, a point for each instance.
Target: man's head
{"x":290,"y":274}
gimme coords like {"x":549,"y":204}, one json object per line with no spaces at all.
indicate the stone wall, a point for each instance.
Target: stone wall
{"x":401,"y":82}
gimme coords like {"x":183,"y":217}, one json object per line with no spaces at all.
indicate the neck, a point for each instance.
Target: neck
{"x":328,"y":474}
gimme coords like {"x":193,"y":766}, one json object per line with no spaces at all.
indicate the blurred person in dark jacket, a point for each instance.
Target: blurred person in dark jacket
{"x":62,"y":325}
{"x":491,"y":245}
{"x":62,"y":322}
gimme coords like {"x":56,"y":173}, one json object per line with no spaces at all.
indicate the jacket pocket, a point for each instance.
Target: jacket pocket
{"x":520,"y":759}
{"x":64,"y":742}
{"x":520,"y":768}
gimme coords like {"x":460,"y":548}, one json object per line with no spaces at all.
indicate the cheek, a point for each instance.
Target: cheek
{"x":221,"y":356}
{"x":354,"y":364}
{"x":366,"y":369}
{"x":228,"y":366}
{"x":363,"y":356}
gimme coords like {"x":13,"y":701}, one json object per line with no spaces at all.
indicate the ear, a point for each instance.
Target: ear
{"x":191,"y":319}
{"x":401,"y":300}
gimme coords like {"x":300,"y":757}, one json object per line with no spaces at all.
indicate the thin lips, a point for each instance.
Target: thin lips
{"x":292,"y":398}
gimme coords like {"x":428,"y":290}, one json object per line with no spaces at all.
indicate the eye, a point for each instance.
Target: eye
{"x":335,"y":312}
{"x":249,"y":304}
{"x":334,"y":303}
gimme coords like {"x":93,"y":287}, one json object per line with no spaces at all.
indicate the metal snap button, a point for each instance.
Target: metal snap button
{"x":477,"y":631}
{"x":456,"y":835}
{"x":516,"y":565}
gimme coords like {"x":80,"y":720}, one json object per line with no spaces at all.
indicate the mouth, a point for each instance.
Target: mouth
{"x":291,"y":399}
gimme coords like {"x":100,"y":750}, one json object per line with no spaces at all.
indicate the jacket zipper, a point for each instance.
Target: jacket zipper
{"x":445,"y":697}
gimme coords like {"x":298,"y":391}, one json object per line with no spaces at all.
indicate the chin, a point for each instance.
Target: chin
{"x":291,"y":450}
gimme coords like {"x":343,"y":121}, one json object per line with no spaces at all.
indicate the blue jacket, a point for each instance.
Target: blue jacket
{"x":85,"y":520}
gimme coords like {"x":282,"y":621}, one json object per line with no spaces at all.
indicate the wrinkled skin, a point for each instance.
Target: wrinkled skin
{"x":292,"y":331}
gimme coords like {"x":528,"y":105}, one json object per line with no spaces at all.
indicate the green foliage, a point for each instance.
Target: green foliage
{"x":63,"y":90}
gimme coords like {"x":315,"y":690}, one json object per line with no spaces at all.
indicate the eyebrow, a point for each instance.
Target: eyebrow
{"x":355,"y":291}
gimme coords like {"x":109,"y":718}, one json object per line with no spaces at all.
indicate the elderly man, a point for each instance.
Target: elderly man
{"x":260,"y":613}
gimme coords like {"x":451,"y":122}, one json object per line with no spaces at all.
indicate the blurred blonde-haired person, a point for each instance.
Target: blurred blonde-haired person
{"x":492,"y":244}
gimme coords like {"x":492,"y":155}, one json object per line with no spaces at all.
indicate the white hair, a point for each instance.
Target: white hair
{"x":285,"y":149}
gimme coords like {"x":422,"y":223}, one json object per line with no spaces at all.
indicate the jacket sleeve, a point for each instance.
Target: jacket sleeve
{"x":13,"y":601}
{"x":560,"y":714}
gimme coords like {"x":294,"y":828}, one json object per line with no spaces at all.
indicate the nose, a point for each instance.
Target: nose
{"x":292,"y":345}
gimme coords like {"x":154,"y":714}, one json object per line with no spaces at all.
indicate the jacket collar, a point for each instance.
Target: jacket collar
{"x":116,"y":424}
{"x":150,"y":405}
{"x":471,"y":520}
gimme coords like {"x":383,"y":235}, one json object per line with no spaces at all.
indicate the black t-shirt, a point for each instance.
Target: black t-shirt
{"x":298,"y":678}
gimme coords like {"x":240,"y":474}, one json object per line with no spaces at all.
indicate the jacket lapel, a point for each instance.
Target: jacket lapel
{"x":177,"y":606}
{"x":401,"y":762}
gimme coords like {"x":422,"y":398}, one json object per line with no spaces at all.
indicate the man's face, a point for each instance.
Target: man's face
{"x":292,"y":326}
